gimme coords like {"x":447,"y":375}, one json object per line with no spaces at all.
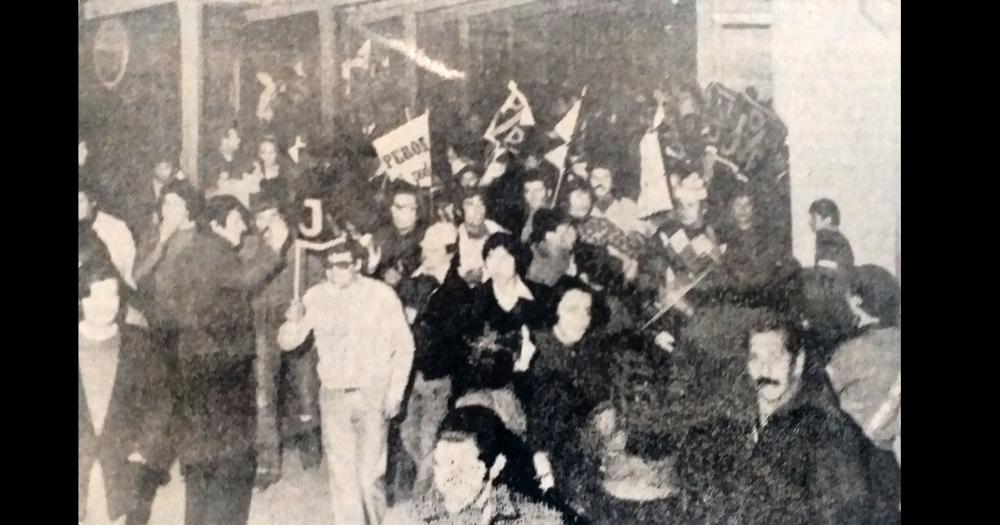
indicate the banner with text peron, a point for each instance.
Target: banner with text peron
{"x":405,"y":152}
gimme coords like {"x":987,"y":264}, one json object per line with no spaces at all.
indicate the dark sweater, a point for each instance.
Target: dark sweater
{"x":401,"y":252}
{"x":833,"y":246}
{"x":493,"y":367}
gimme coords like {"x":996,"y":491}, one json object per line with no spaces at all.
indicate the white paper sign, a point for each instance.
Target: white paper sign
{"x":405,"y":152}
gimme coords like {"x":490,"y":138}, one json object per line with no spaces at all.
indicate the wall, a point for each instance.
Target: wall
{"x":837,"y":85}
{"x":127,"y":125}
{"x":835,"y":81}
{"x":734,"y":44}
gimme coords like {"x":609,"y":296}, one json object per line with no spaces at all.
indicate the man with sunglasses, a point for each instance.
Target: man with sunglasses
{"x":365,"y":353}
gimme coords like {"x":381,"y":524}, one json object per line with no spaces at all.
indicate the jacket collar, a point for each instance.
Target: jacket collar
{"x":499,"y":504}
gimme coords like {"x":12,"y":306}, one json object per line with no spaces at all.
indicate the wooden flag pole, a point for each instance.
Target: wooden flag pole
{"x":298,"y":270}
{"x":555,"y":194}
{"x":671,"y":304}
{"x":302,"y":245}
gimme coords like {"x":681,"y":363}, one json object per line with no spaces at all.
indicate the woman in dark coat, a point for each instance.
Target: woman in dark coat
{"x":565,"y":382}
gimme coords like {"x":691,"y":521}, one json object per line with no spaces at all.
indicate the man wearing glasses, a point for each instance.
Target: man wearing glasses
{"x":365,"y":353}
{"x":396,"y":248}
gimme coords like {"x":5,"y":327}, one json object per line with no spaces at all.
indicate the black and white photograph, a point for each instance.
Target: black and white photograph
{"x":489,"y":262}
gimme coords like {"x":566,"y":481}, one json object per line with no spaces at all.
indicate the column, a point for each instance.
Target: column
{"x":410,"y":37}
{"x":327,"y":66}
{"x":466,"y":61}
{"x":192,"y":66}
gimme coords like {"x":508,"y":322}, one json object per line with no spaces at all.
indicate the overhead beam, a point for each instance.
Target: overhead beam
{"x":296,"y":7}
{"x":520,"y":9}
{"x":475,"y":9}
{"x":385,"y":9}
{"x":101,"y":8}
{"x":574,"y":6}
{"x":282,"y":10}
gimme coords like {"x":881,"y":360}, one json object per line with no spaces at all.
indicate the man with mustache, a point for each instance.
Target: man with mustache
{"x":799,"y":463}
{"x":621,"y":211}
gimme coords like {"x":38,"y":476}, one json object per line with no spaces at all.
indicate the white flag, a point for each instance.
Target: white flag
{"x":557,"y":157}
{"x":456,"y":162}
{"x":564,"y":130}
{"x":659,"y":117}
{"x":494,"y":169}
{"x":654,"y":192}
{"x":567,"y":125}
{"x":405,"y":152}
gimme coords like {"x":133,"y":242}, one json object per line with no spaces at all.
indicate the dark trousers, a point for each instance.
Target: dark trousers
{"x":157,"y":474}
{"x":148,"y":482}
{"x":218,"y":492}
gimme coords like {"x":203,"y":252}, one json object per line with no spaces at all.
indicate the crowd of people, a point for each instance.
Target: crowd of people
{"x":516,"y":345}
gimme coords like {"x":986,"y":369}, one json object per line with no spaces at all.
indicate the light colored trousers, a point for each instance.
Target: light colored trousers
{"x":426,"y":409}
{"x":355,"y":436}
{"x":97,"y":502}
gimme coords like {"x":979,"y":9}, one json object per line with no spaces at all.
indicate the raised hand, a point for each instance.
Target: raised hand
{"x":296,"y":312}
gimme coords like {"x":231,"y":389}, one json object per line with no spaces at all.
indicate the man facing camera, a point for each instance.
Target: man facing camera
{"x":468,"y":459}
{"x":365,"y":351}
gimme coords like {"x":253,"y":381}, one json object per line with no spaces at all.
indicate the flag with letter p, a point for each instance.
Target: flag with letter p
{"x":405,"y":152}
{"x":506,"y":130}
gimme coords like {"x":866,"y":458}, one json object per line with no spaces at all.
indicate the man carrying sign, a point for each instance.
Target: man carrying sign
{"x":287,"y":409}
{"x":364,"y":365}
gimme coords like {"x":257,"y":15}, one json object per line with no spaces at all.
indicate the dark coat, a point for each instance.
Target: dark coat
{"x":809,"y":467}
{"x":216,"y":164}
{"x":400,"y":252}
{"x":213,"y":295}
{"x":136,"y":421}
{"x":217,"y":347}
{"x":437,"y":328}
{"x":559,"y":391}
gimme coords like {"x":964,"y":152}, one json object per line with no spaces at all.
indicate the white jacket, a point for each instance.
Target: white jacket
{"x":362,"y":338}
{"x":114,"y":233}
